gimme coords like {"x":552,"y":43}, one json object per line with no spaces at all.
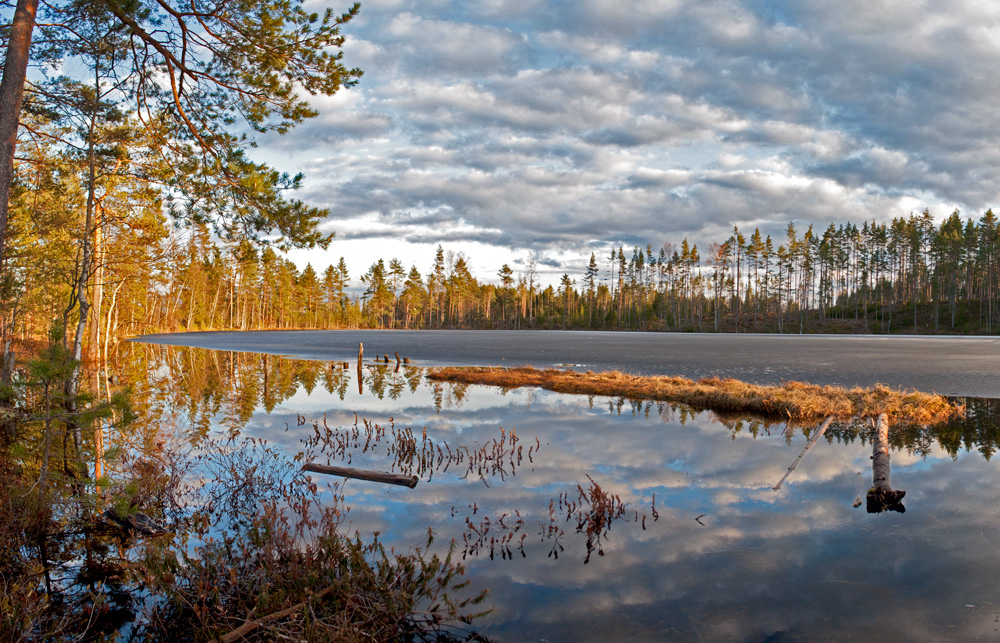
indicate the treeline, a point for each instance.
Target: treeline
{"x":907,"y":275}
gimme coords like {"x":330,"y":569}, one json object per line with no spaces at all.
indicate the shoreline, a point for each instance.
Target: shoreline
{"x":958,"y":366}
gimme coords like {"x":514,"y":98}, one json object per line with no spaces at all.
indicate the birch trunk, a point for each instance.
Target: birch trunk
{"x":882,"y":497}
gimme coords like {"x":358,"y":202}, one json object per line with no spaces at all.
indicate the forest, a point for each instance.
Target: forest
{"x":130,"y":204}
{"x":135,"y":208}
{"x":907,"y":275}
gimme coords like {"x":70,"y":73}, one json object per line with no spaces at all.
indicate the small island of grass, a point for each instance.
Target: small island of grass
{"x":795,"y":401}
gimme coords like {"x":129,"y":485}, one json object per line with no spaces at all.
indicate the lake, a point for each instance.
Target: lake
{"x":596,"y":518}
{"x":949,"y":365}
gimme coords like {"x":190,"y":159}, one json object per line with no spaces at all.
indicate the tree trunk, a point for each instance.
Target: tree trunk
{"x":72,"y":387}
{"x":99,"y":277}
{"x":11,"y":95}
{"x":882,"y":497}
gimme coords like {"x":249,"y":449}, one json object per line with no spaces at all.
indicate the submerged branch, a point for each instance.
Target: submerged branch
{"x":795,"y":401}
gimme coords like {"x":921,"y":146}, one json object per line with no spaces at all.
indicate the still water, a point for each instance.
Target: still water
{"x":596,"y":518}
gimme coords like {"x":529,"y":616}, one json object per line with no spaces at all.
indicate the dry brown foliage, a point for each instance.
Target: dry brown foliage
{"x":792,"y":400}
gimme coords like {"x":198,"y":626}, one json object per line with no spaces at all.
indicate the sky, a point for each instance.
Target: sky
{"x":501,"y":129}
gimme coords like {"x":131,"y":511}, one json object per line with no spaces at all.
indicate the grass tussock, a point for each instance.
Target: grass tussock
{"x":795,"y":401}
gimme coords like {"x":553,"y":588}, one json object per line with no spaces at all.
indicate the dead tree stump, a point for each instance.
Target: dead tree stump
{"x":882,"y":497}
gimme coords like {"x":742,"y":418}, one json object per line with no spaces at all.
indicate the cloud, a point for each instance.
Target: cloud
{"x":533,"y":125}
{"x":450,"y":47}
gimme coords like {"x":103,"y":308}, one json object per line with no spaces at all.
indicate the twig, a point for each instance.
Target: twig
{"x":250,"y":626}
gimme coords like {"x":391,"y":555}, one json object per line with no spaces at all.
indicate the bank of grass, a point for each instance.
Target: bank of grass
{"x":795,"y":401}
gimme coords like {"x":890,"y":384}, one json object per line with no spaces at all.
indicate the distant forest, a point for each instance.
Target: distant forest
{"x":908,"y":275}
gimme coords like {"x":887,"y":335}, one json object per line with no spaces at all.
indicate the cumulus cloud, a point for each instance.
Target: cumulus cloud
{"x":532,"y":125}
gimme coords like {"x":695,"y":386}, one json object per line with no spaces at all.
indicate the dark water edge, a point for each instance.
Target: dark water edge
{"x":702,"y":547}
{"x":952,"y":365}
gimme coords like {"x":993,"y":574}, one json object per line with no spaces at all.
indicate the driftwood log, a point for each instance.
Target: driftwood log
{"x":882,"y":497}
{"x":363,"y":474}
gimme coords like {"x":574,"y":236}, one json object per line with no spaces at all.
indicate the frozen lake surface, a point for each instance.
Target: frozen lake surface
{"x":949,"y":365}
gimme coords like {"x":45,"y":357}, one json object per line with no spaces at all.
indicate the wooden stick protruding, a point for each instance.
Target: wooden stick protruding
{"x":813,"y":440}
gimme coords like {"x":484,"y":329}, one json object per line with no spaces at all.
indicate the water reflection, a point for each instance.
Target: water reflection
{"x":597,"y":518}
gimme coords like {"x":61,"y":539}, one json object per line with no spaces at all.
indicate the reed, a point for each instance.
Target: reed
{"x":796,"y":401}
{"x":399,"y":450}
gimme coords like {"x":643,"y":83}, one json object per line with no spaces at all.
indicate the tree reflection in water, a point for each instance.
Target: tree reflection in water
{"x":528,"y":493}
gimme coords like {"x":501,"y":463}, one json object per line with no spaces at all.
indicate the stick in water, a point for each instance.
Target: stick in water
{"x":813,"y":440}
{"x":362,"y":474}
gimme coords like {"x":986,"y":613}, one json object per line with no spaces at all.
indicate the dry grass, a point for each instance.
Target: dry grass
{"x":795,"y":401}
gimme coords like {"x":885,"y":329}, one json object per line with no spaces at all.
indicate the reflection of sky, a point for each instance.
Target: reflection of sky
{"x":727,"y":558}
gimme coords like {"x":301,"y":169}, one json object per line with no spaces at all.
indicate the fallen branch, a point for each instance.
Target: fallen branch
{"x":250,"y":626}
{"x":813,"y":440}
{"x":363,"y":474}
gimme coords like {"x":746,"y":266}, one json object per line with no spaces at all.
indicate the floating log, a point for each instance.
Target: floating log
{"x":882,"y":497}
{"x":813,"y":440}
{"x":363,"y":474}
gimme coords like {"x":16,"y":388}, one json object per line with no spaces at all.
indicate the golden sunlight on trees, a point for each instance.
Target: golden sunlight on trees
{"x":157,"y":115}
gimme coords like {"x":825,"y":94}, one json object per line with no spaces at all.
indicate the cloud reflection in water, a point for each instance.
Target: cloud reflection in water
{"x":724,"y":557}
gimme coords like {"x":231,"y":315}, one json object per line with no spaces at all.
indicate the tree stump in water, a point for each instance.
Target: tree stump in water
{"x":882,"y":497}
